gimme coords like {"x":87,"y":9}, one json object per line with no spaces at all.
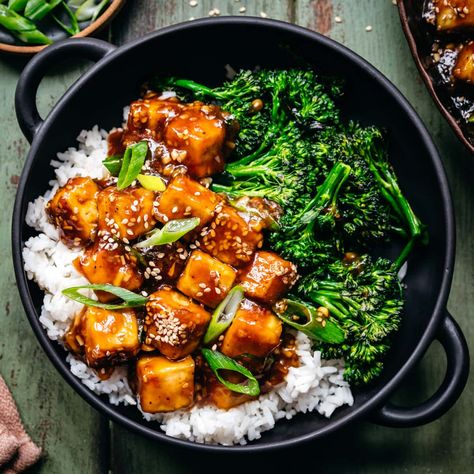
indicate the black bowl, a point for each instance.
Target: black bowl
{"x":200,"y":50}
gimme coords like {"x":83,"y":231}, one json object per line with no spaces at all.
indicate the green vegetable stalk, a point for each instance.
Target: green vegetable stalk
{"x":24,"y":29}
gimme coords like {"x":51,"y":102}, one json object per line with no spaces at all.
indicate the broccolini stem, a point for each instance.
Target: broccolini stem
{"x":405,"y":253}
{"x":327,"y":192}
{"x":327,"y":303}
{"x":196,"y":87}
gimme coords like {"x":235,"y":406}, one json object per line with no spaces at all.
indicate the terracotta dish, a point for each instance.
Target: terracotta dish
{"x":53,"y":31}
{"x":428,"y":44}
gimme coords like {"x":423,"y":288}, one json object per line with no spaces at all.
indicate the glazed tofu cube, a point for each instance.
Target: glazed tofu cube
{"x":164,"y":263}
{"x":255,"y":330}
{"x":73,"y":210}
{"x":164,"y":385}
{"x":108,"y":262}
{"x":464,"y":68}
{"x":126,"y":214}
{"x":268,"y":277}
{"x":206,"y":279}
{"x":109,"y":336}
{"x":454,"y":14}
{"x":231,"y":237}
{"x":220,"y":396}
{"x":173,"y":323}
{"x":184,"y":198}
{"x":148,"y":117}
{"x":200,"y":131}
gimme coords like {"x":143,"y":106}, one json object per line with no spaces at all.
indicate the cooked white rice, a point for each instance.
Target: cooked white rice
{"x":315,"y":385}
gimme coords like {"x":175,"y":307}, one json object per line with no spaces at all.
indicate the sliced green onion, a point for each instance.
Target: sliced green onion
{"x":90,"y":10}
{"x":315,"y":326}
{"x":263,"y":214}
{"x":24,"y":29}
{"x":36,"y":10}
{"x":170,"y":232}
{"x":133,"y":161}
{"x":113,"y":164}
{"x":130,"y":299}
{"x":153,"y":183}
{"x":224,"y":314}
{"x":73,"y":29}
{"x":17,"y":5}
{"x":218,"y":361}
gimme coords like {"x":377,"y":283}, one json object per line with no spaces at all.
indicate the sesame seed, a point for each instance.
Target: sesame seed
{"x":218,"y":291}
{"x":263,"y":15}
{"x":338,"y":19}
{"x":202,"y":285}
{"x":129,"y":232}
{"x":199,"y":294}
{"x":174,"y":210}
{"x":242,"y":9}
{"x":193,"y":3}
{"x":368,"y":28}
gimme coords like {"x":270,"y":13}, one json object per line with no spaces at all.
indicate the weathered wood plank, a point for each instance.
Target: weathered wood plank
{"x":143,"y":16}
{"x":73,"y":435}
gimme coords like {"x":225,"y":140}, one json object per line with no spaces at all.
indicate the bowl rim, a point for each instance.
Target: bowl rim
{"x":429,"y":83}
{"x":105,"y":17}
{"x":371,"y":404}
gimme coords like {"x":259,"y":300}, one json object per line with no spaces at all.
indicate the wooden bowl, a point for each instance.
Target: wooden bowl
{"x":106,"y":16}
{"x":420,"y":40}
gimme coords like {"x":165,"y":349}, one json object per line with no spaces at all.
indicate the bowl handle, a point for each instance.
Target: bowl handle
{"x":457,"y":355}
{"x":25,"y":96}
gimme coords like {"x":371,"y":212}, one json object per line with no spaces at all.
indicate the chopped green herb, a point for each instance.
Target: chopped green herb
{"x":130,"y":299}
{"x":170,"y":232}
{"x":153,"y":183}
{"x":306,"y":319}
{"x":224,"y":314}
{"x":218,"y":362}
{"x":132,"y":163}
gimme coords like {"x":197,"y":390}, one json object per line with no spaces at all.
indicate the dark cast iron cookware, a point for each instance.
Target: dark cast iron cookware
{"x":200,"y":50}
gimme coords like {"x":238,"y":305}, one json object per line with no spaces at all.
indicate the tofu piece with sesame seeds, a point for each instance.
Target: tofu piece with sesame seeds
{"x":255,"y":330}
{"x":127,"y":213}
{"x":454,"y":15}
{"x":164,"y":385}
{"x":206,"y":279}
{"x":199,"y":130}
{"x":107,"y":261}
{"x":148,"y":117}
{"x":268,"y":277}
{"x":173,"y":323}
{"x":231,"y":237}
{"x":164,"y":263}
{"x":185,"y":197}
{"x":464,"y":67}
{"x":73,"y":210}
{"x":109,"y":337}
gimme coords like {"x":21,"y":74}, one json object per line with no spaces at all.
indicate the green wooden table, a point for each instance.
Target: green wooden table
{"x":76,"y":439}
